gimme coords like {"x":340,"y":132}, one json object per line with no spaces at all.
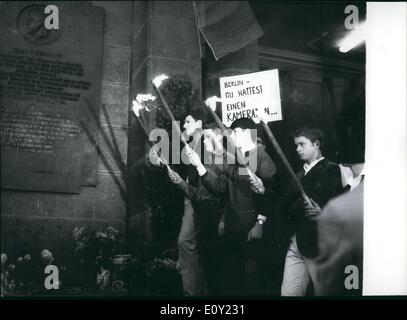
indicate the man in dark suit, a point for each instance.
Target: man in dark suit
{"x":338,"y":267}
{"x":321,"y":180}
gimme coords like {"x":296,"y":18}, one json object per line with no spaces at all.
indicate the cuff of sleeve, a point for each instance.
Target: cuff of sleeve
{"x":202,"y":171}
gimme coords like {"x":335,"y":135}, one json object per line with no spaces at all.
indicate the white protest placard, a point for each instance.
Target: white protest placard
{"x":248,"y":95}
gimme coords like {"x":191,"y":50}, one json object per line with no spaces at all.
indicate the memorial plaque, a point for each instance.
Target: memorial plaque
{"x":50,"y":80}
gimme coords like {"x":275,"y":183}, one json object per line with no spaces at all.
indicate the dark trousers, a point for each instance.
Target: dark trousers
{"x":245,"y":269}
{"x":209,"y":248}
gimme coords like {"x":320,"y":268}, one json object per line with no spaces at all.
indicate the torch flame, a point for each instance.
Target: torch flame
{"x":157,"y":81}
{"x":211,"y":102}
{"x":145,"y":97}
{"x":143,"y":100}
{"x":136,"y":108}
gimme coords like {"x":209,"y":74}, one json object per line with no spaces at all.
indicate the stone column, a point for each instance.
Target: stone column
{"x":165,"y":40}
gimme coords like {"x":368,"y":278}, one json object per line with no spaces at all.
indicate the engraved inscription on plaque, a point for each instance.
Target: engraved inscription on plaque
{"x":35,"y":131}
{"x":47,"y":131}
{"x":57,"y":81}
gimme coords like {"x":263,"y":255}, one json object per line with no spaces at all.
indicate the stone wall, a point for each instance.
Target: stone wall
{"x":32,"y":221}
{"x":141,"y":39}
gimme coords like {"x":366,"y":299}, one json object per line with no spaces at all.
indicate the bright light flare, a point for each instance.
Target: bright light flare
{"x":353,"y":39}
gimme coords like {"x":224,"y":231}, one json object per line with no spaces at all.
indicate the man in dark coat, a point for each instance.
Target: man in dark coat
{"x":321,"y":180}
{"x":338,"y":267}
{"x":248,"y":202}
{"x":208,"y":209}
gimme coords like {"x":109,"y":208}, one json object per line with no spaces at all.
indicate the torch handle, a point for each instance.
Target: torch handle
{"x":168,"y":110}
{"x":285,"y":161}
{"x":165,"y":162}
{"x":306,"y":198}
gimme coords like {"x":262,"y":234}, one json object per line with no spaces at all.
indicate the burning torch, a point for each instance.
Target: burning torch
{"x":145,"y":102}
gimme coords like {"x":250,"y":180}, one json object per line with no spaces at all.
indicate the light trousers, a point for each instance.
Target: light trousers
{"x":296,"y":277}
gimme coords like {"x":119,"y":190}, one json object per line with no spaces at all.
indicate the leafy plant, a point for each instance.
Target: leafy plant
{"x":97,"y":248}
{"x":25,"y":276}
{"x":163,"y":276}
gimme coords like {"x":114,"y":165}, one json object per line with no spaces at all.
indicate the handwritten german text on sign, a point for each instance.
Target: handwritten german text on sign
{"x":248,"y":95}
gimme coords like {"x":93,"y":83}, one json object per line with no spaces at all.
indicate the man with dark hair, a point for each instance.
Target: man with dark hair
{"x":321,"y":181}
{"x":312,"y":134}
{"x":340,"y":226}
{"x":208,"y":208}
{"x":188,"y":264}
{"x":248,"y":201}
{"x":188,"y":254}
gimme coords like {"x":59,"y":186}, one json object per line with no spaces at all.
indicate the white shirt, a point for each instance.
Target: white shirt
{"x":346,"y":175}
{"x":355,"y":182}
{"x":308,"y":167}
{"x":349,"y":179}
